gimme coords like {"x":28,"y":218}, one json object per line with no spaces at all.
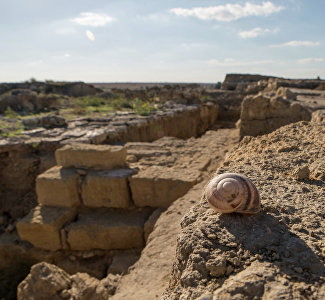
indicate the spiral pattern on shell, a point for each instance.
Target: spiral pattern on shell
{"x":232,"y":192}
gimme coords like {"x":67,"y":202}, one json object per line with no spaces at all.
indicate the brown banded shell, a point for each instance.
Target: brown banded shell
{"x":232,"y":192}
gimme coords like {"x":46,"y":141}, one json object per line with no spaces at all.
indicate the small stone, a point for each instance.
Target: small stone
{"x":217,"y":267}
{"x":232,"y":253}
{"x":72,"y":258}
{"x":205,"y":297}
{"x":10,"y":228}
{"x":301,"y":173}
{"x":235,"y":262}
{"x":212,"y":236}
{"x":131,"y":158}
{"x":88,"y":254}
{"x":82,"y":172}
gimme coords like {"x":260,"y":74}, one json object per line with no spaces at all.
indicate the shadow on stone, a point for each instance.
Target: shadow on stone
{"x":265,"y":235}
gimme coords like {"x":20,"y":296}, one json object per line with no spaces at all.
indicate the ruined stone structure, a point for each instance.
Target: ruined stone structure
{"x":23,"y":158}
{"x":268,"y":111}
{"x":92,"y":200}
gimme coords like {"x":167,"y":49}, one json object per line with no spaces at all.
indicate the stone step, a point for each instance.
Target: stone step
{"x":159,"y":186}
{"x":41,"y":227}
{"x":107,"y":188}
{"x":107,"y":229}
{"x":91,"y":156}
{"x":58,"y":187}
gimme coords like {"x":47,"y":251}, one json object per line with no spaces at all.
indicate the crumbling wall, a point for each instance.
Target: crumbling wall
{"x":23,"y":159}
{"x":261,"y":114}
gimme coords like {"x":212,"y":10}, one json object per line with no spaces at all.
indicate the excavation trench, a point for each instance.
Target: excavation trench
{"x":180,"y":164}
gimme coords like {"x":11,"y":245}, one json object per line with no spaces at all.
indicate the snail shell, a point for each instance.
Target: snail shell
{"x":231,"y":192}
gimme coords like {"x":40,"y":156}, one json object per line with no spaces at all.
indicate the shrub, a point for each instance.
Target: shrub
{"x":143,"y":108}
{"x":10,"y":113}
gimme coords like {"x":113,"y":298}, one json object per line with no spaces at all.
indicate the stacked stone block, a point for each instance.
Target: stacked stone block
{"x":92,"y":200}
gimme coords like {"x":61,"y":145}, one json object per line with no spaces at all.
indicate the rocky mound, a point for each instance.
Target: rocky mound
{"x":47,"y":281}
{"x":278,"y":253}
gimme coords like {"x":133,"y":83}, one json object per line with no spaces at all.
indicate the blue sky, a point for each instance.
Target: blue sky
{"x":160,"y":41}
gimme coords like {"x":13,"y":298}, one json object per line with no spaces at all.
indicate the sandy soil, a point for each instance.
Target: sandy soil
{"x":278,"y":253}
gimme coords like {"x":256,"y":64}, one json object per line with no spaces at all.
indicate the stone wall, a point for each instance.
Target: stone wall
{"x":92,"y":200}
{"x":265,"y":112}
{"x":22,"y":159}
{"x":238,"y":81}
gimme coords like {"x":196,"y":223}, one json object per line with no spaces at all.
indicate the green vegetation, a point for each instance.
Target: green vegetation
{"x":142,"y":108}
{"x":72,"y":107}
{"x":92,"y":104}
{"x":10,"y":114}
{"x":10,"y":129}
{"x":205,"y":98}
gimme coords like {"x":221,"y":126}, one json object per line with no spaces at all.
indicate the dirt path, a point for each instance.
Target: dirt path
{"x":149,"y":277}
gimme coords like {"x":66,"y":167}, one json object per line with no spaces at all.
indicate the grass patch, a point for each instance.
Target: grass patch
{"x":10,"y":113}
{"x":10,"y":128}
{"x":142,"y":108}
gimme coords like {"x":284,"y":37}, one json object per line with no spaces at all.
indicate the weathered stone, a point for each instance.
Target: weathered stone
{"x":318,"y":116}
{"x":249,"y":282}
{"x":41,"y":227}
{"x":107,"y":188}
{"x":58,"y":187}
{"x":158,"y":186}
{"x":91,"y":156}
{"x":45,"y":281}
{"x":286,"y":93}
{"x":107,"y":230}
{"x":317,"y":169}
{"x":85,"y":287}
{"x":261,"y":114}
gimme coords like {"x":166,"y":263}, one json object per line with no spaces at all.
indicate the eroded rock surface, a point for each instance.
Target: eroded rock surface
{"x":47,"y":281}
{"x":278,"y":253}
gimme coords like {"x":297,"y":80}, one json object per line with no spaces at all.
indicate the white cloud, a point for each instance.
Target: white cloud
{"x":310,"y":60}
{"x":228,"y":12}
{"x":90,"y":35}
{"x":297,"y":44}
{"x":66,"y":55}
{"x":230,"y":62}
{"x":92,"y":19}
{"x":255,"y":32}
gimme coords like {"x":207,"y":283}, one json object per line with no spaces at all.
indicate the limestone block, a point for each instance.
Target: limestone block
{"x":91,"y":156}
{"x":58,"y":187}
{"x":159,"y":187}
{"x":106,"y":188}
{"x":107,"y":230}
{"x":41,"y":227}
